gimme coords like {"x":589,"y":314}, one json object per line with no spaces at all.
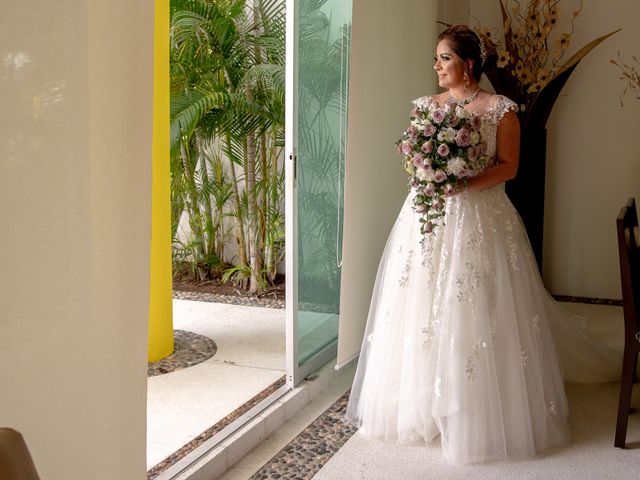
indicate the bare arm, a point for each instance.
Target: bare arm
{"x":507,"y":154}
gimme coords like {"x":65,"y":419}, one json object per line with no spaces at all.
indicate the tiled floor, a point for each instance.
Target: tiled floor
{"x":250,"y":357}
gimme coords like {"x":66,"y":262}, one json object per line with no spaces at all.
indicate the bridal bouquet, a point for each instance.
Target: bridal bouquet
{"x":442,"y":148}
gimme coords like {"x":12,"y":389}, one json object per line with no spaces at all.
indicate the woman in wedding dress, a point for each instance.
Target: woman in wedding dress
{"x":460,"y":337}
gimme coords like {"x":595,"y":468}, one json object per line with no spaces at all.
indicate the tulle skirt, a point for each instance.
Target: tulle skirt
{"x":460,"y":339}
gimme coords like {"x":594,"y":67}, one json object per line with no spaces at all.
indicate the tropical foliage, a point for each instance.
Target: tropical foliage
{"x":227,"y":132}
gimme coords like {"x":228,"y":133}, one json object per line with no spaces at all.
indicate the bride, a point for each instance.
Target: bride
{"x":462,"y":339}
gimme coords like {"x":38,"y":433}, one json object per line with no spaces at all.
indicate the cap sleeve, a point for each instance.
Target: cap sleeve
{"x":504,"y":105}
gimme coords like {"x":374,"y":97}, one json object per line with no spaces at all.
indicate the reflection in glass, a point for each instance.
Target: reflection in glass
{"x":323,"y":60}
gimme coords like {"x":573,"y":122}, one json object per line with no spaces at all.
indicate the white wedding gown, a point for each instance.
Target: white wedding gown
{"x":460,"y":335}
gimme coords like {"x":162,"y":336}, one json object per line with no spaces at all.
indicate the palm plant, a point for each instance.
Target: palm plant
{"x":320,"y":141}
{"x":227,"y":97}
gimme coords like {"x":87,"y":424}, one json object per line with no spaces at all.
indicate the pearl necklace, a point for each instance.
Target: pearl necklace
{"x":464,"y":101}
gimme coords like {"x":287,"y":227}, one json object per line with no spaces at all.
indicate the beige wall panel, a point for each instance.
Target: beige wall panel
{"x":391,"y":51}
{"x":593,"y":152}
{"x":75,"y":178}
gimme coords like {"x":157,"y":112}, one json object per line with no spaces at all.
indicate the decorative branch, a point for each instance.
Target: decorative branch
{"x":528,"y":66}
{"x":630,"y":74}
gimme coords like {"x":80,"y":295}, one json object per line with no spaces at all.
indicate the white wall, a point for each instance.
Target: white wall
{"x":75,"y":197}
{"x":593,"y":152}
{"x":385,"y":76}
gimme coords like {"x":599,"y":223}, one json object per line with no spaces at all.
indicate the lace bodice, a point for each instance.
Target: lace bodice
{"x":491,"y":110}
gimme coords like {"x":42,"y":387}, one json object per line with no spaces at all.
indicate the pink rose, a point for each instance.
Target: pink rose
{"x":417,"y":160}
{"x":412,"y":131}
{"x":449,"y":189}
{"x":422,"y":208}
{"x":443,"y":150}
{"x":438,"y":115}
{"x":413,"y":183}
{"x":406,"y":148}
{"x":472,"y":153}
{"x":430,"y":189}
{"x":415,"y":112}
{"x":453,"y":121}
{"x":439,"y":176}
{"x":463,"y":137}
{"x":429,"y":129}
{"x":475,"y":122}
{"x":428,"y":227}
{"x":427,"y":147}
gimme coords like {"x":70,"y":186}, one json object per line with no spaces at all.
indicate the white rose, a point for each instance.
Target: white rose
{"x":475,"y":138}
{"x":455,"y":166}
{"x":447,"y":135}
{"x":417,"y":123}
{"x":462,"y":113}
{"x":425,"y":174}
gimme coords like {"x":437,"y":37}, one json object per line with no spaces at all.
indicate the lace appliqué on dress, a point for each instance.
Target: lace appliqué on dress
{"x":535,"y":321}
{"x":404,"y":279}
{"x":428,"y":251}
{"x":469,"y":284}
{"x":491,"y":117}
{"x":502,"y":106}
{"x":512,"y":254}
{"x":470,"y":363}
{"x":475,"y":239}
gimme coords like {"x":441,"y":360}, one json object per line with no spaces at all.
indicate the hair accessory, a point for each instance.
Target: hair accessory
{"x":483,"y":49}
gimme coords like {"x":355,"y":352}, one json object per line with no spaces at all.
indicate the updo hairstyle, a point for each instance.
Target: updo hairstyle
{"x":466,"y":44}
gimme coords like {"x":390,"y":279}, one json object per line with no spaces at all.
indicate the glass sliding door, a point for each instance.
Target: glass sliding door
{"x":318,"y":69}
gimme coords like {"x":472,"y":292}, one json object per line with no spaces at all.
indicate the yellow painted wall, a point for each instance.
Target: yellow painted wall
{"x":160,"y":306}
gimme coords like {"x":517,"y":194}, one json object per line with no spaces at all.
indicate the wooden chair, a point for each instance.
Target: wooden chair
{"x":629,"y":252}
{"x":15,"y":459}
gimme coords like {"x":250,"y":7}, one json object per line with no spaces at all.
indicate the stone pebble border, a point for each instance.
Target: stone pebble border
{"x":307,"y":453}
{"x":189,"y":349}
{"x":267,"y":302}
